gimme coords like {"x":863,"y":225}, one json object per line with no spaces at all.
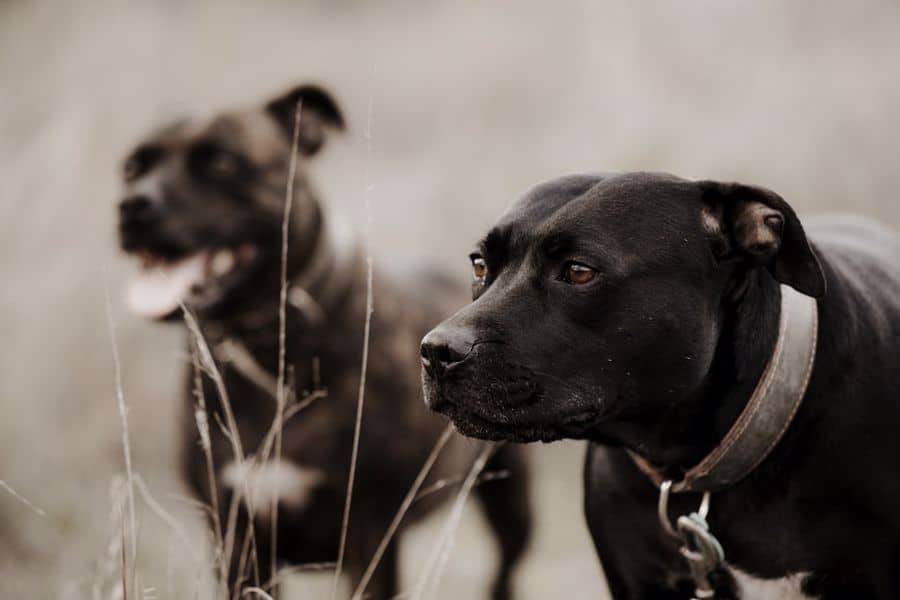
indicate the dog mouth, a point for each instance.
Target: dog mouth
{"x":517,"y":428}
{"x":472,"y":425}
{"x":198,"y":279}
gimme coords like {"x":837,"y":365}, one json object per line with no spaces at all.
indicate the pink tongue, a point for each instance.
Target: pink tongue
{"x":157,"y":291}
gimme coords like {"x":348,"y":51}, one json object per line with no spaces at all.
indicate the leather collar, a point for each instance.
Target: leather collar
{"x":770,"y":410}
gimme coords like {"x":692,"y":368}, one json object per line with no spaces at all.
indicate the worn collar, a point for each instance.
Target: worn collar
{"x":770,"y":410}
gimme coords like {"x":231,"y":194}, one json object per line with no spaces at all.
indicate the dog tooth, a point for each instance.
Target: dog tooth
{"x":222,"y":262}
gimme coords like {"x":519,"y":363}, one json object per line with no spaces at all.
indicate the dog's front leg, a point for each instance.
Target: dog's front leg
{"x":640,"y":562}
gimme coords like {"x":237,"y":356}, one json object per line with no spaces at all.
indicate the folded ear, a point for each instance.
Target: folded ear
{"x":759,"y":226}
{"x":318,"y":112}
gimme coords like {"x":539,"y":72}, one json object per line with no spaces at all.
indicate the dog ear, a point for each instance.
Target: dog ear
{"x":318,"y":111}
{"x":759,"y":226}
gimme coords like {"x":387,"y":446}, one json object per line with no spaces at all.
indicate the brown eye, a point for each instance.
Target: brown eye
{"x":209,"y":159}
{"x":479,"y":268}
{"x":223,"y":164}
{"x":578,"y":274}
{"x":132,"y":169}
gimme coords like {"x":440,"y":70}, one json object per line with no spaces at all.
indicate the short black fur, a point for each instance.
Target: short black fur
{"x":659,"y":353}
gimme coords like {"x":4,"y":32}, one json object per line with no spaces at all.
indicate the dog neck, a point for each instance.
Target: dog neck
{"x":323,"y":268}
{"x":689,"y":431}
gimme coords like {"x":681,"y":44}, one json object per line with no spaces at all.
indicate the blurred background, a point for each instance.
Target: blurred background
{"x":472,"y":103}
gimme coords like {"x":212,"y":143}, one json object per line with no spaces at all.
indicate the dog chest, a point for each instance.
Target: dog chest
{"x":285,"y":481}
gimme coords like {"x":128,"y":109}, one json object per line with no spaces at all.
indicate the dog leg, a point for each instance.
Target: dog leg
{"x":507,"y":507}
{"x":639,"y":562}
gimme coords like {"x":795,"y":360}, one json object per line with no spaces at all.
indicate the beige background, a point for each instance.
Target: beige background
{"x":473,"y":102}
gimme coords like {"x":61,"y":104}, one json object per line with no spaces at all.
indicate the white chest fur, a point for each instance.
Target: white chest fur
{"x":290,"y":483}
{"x":752,"y":588}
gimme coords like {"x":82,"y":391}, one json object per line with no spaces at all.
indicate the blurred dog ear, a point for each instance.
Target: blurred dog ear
{"x":318,"y":112}
{"x":757,"y":225}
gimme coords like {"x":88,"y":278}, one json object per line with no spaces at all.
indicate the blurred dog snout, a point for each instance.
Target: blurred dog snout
{"x":136,"y":208}
{"x":445,"y":347}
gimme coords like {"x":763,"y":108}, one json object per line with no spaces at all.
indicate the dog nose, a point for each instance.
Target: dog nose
{"x":443,"y":348}
{"x":135,"y":207}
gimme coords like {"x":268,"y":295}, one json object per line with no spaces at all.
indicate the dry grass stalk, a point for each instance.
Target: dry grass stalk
{"x":21,"y":498}
{"x":440,"y":484}
{"x":208,"y":364}
{"x":230,"y":533}
{"x":293,"y":408}
{"x":281,"y":398}
{"x":354,"y":452}
{"x":108,"y":565}
{"x":230,"y":351}
{"x":440,"y":552}
{"x":201,"y":417}
{"x":411,"y":495}
{"x":307,"y":400}
{"x":247,"y":553}
{"x":167,"y":518}
{"x":124,"y":563}
{"x":123,"y":416}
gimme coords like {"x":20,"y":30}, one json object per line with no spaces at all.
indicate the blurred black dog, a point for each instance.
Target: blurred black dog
{"x":674,"y":324}
{"x":203,"y":210}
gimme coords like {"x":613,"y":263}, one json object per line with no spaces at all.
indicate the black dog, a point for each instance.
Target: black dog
{"x":640,"y":312}
{"x":203,"y":209}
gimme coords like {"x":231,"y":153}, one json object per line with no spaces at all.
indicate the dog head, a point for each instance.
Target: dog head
{"x":203,"y":202}
{"x":599,"y":299}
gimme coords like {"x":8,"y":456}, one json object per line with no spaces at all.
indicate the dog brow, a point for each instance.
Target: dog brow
{"x":558,"y":244}
{"x":495,"y":242}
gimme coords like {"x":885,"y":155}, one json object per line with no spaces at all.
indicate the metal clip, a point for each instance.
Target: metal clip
{"x":699,"y":547}
{"x":702,"y":551}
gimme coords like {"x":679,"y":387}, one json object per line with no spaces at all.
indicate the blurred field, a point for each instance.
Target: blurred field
{"x":471,"y":104}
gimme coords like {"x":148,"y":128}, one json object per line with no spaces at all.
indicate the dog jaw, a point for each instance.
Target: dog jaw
{"x":502,"y":427}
